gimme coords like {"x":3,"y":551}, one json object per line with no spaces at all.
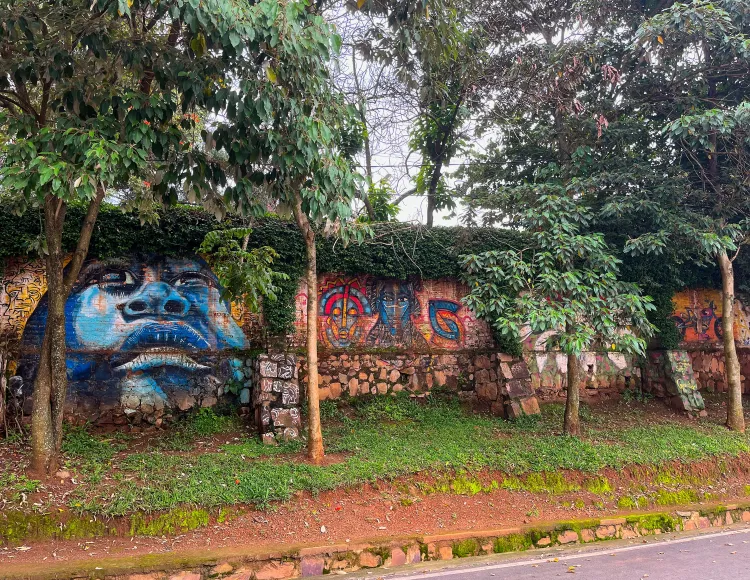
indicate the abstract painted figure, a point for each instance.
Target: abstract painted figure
{"x":141,"y":325}
{"x":341,"y":309}
{"x":396,"y":305}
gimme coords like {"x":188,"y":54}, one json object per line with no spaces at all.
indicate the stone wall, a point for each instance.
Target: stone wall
{"x":276,"y":397}
{"x":494,"y":381}
{"x":669,"y":375}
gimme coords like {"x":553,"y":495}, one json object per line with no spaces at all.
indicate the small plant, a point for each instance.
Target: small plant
{"x":598,"y":485}
{"x":637,"y":395}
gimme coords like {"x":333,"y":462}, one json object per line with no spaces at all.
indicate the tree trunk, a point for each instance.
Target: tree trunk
{"x":572,"y":425}
{"x":51,"y":374}
{"x":315,"y":450}
{"x":432,"y":191}
{"x":735,"y":416}
{"x":51,"y":383}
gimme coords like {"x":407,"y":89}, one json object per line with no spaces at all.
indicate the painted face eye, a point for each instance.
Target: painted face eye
{"x":112,"y":277}
{"x":336,"y":311}
{"x":192,"y":280}
{"x":352,"y":311}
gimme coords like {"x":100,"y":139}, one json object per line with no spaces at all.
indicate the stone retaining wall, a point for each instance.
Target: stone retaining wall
{"x":389,"y":553}
{"x":495,"y":381}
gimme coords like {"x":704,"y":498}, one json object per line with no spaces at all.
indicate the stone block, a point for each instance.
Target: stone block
{"x":567,"y":537}
{"x":587,"y":535}
{"x":183,"y":400}
{"x":445,"y":552}
{"x":398,"y":558}
{"x":543,"y":542}
{"x":276,"y":571}
{"x":312,"y":566}
{"x":369,"y":560}
{"x":518,"y":388}
{"x":604,"y":532}
{"x":223,"y":568}
{"x":335,"y":390}
{"x":269,"y":369}
{"x":186,"y":575}
{"x":530,"y":406}
{"x":414,"y":554}
{"x":520,"y":370}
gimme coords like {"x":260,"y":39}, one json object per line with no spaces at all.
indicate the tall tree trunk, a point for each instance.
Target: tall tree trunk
{"x":315,"y":450}
{"x":51,"y":383}
{"x":432,"y":191}
{"x":735,"y":416}
{"x":368,"y":150}
{"x":51,"y":374}
{"x":572,"y":424}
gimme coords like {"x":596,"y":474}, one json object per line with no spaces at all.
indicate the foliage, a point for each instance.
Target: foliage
{"x":565,"y":280}
{"x":379,"y":195}
{"x":245,"y":275}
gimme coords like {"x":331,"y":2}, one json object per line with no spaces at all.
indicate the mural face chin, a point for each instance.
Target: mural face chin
{"x":152,"y":322}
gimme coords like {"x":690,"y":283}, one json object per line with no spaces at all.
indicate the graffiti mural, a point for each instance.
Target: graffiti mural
{"x":370,"y":312}
{"x":398,"y":311}
{"x":21,"y":289}
{"x":140,"y":329}
{"x":342,"y":308}
{"x":698,"y":317}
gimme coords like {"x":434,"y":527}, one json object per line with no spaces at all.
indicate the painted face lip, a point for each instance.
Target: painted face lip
{"x":160,"y":341}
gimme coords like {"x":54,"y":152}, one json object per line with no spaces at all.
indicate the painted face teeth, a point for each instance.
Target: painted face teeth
{"x":158,"y":357}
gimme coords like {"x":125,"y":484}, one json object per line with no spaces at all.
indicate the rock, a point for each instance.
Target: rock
{"x":587,"y":535}
{"x":604,"y":532}
{"x":186,"y":576}
{"x":530,"y":406}
{"x":567,"y":537}
{"x":208,"y":401}
{"x":183,"y":400}
{"x":445,"y":552}
{"x":394,"y":376}
{"x":369,"y":560}
{"x":414,"y":554}
{"x":544,"y":542}
{"x":275,"y":571}
{"x":245,"y":397}
{"x":62,"y":474}
{"x":312,"y":566}
{"x":398,"y":558}
{"x":223,"y":568}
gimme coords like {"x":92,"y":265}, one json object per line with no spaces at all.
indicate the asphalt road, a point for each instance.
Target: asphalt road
{"x":710,"y":556}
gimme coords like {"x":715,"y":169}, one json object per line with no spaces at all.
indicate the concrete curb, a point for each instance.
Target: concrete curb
{"x":294,"y":561}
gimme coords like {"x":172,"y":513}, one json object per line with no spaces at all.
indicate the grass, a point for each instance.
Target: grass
{"x":382,"y":438}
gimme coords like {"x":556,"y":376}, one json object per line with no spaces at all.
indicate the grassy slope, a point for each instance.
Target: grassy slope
{"x":382,"y":438}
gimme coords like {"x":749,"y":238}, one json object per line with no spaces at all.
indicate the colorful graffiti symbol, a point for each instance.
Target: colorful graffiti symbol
{"x":397,"y":308}
{"x":342,"y":308}
{"x":141,"y":324}
{"x":444,"y":319}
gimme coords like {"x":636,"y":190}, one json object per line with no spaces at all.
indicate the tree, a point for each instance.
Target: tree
{"x":698,"y":56}
{"x":564,"y":280}
{"x":246,"y":275}
{"x":95,"y":94}
{"x":295,"y":143}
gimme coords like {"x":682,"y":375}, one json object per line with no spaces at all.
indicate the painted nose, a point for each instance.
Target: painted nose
{"x":156,"y":299}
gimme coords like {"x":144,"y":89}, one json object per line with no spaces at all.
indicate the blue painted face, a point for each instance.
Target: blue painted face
{"x":394,"y":306}
{"x":145,"y":316}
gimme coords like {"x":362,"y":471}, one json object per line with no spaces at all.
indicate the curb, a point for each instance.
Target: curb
{"x":304,"y":560}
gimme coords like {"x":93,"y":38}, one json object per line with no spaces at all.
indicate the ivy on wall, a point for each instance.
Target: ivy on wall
{"x":397,"y":250}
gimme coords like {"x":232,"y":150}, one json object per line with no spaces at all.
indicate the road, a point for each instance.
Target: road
{"x":709,"y":556}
